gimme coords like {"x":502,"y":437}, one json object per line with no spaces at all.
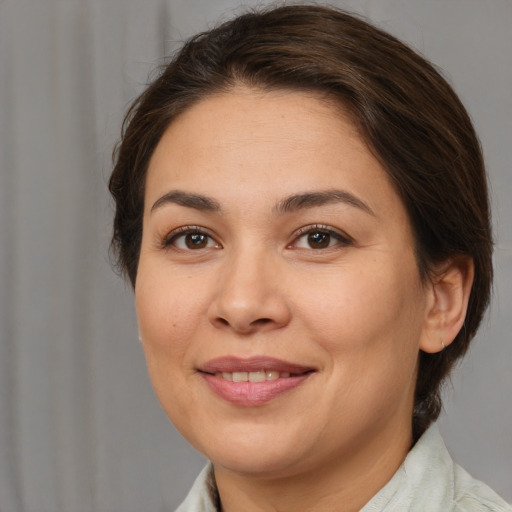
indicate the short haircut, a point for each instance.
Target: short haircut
{"x":407,"y":114}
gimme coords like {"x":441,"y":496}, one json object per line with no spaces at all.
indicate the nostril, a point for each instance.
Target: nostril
{"x":261,"y":321}
{"x":249,"y":327}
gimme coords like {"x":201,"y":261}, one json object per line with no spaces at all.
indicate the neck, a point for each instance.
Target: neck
{"x":344,"y":482}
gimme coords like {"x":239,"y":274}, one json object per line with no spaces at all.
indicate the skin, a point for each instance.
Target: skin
{"x":355,"y":311}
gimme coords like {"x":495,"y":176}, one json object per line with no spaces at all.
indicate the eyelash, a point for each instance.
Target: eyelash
{"x":331,"y":233}
{"x":341,"y":238}
{"x":182,"y":232}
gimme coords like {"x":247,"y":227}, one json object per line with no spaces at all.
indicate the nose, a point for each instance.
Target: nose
{"x":250,"y":296}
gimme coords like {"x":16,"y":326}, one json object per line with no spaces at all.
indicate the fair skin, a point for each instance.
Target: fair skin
{"x":272,"y":237}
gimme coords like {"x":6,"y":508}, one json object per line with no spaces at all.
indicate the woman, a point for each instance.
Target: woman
{"x":301,"y":208}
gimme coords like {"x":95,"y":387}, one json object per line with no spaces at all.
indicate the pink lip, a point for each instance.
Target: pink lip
{"x":252,"y":393}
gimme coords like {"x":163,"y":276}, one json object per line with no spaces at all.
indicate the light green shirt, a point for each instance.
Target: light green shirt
{"x":427,"y":481}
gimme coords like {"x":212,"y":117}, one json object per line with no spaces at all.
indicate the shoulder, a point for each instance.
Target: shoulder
{"x":471,"y":495}
{"x":430,"y":481}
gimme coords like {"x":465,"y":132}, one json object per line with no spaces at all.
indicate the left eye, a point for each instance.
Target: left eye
{"x":191,"y":240}
{"x":319,"y":239}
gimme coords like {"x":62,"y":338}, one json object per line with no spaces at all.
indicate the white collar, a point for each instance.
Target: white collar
{"x":427,"y":481}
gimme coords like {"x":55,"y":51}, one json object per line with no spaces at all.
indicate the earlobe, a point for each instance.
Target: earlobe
{"x":450,"y":288}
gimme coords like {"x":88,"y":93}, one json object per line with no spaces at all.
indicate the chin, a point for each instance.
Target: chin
{"x":255,"y":449}
{"x":263,"y":463}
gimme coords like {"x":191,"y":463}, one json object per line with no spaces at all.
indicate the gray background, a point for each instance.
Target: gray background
{"x":80,"y":429}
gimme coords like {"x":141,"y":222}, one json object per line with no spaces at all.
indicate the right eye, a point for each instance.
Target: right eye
{"x":190,"y":239}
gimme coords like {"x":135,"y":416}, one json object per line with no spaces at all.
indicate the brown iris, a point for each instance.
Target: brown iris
{"x":196,"y":240}
{"x":319,"y":240}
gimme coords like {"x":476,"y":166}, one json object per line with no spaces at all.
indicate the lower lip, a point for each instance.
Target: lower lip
{"x":250,"y":394}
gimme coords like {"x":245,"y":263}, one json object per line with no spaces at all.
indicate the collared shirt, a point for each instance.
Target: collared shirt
{"x":427,"y":481}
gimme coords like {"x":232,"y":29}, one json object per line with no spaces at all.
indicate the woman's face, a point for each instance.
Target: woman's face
{"x":278,"y":296}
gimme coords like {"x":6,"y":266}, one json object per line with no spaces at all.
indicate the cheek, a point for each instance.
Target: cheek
{"x":368,"y":325}
{"x":168,"y":319}
{"x":369,"y":309}
{"x":167,"y":315}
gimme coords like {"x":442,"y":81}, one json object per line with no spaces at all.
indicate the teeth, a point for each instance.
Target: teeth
{"x":259,"y":376}
{"x":240,"y":376}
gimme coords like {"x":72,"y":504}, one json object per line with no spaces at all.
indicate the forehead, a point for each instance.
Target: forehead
{"x":247,"y":145}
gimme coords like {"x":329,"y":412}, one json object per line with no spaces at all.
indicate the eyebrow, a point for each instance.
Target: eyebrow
{"x":195,"y":201}
{"x":289,"y":204}
{"x":320,"y":198}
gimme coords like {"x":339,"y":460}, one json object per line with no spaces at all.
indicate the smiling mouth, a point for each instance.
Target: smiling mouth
{"x":254,"y":381}
{"x":252,"y":369}
{"x":257,"y":376}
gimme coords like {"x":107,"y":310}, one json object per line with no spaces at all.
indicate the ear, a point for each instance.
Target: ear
{"x":449,"y":290}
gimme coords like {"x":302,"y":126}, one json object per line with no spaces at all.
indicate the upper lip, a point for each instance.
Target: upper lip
{"x":230,"y":364}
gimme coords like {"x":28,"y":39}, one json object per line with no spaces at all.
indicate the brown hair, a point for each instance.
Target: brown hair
{"x":408,"y":115}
